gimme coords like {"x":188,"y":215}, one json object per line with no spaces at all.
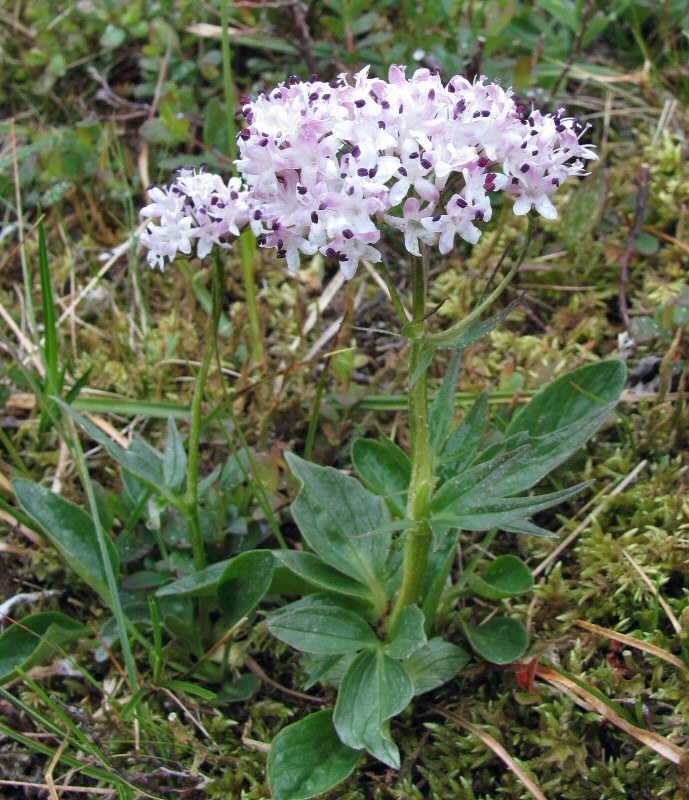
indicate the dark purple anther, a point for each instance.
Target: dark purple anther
{"x":485,"y":113}
{"x":234,"y":195}
{"x":478,"y":215}
{"x":425,"y":163}
{"x":524,"y":168}
{"x":258,"y":213}
{"x":436,"y":217}
{"x":461,"y":202}
{"x":348,"y":234}
{"x":403,"y":172}
{"x":314,"y":217}
{"x":359,"y":103}
{"x":413,"y":155}
{"x":331,"y":252}
{"x":362,"y":172}
{"x":356,"y":151}
{"x":302,"y":189}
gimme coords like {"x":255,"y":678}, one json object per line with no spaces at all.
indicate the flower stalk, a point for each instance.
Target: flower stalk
{"x":418,"y":537}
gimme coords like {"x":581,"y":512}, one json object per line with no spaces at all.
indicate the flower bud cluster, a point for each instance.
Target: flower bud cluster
{"x":327,"y":165}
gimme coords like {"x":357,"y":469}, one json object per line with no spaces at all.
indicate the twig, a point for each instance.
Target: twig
{"x":641,"y":201}
{"x":666,"y":608}
{"x":259,"y":673}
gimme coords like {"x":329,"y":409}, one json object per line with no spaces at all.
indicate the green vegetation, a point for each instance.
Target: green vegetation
{"x":143,"y":665}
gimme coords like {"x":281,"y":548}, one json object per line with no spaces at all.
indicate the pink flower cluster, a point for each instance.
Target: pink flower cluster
{"x":326,"y":166}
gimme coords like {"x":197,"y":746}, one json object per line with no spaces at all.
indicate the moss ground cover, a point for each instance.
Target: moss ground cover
{"x":96,"y":104}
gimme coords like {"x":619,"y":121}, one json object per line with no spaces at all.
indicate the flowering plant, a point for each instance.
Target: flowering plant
{"x":329,"y":167}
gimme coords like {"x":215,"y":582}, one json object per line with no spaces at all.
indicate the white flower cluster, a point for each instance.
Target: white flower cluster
{"x":326,"y":165}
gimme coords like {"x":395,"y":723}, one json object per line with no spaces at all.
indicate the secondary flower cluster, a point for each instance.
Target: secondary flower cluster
{"x":326,"y":165}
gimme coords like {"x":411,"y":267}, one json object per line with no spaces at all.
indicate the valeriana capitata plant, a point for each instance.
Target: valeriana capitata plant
{"x":332,"y":168}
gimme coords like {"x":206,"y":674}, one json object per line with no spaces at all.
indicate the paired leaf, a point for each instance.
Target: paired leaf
{"x":328,"y":630}
{"x":339,"y":519}
{"x":505,"y":512}
{"x":501,"y":640}
{"x":319,"y":573}
{"x":174,"y":458}
{"x":385,"y":469}
{"x":307,"y":758}
{"x":34,"y":639}
{"x":434,"y":664}
{"x":71,"y":531}
{"x":442,"y":411}
{"x":462,"y":444}
{"x":409,"y":633}
{"x":477,"y":329}
{"x":374,"y":689}
{"x":203,"y":583}
{"x":244,"y":583}
{"x":507,"y":576}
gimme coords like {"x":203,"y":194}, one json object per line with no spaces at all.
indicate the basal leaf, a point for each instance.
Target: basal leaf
{"x":374,"y":689}
{"x":71,"y":531}
{"x":409,"y":633}
{"x":501,"y":640}
{"x":34,"y":639}
{"x":203,"y":583}
{"x":460,"y":447}
{"x":506,"y":576}
{"x":434,"y":664}
{"x":319,"y":573}
{"x":328,"y":630}
{"x":244,"y":583}
{"x":307,"y":758}
{"x":336,"y":516}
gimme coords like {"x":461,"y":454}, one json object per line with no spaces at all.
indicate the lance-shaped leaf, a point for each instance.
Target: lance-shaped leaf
{"x":442,"y":411}
{"x":307,"y":758}
{"x":203,"y":583}
{"x":434,"y":664}
{"x":174,"y":458}
{"x":570,"y":398}
{"x":462,"y":444}
{"x":71,"y":531}
{"x":374,"y":689}
{"x":339,"y":519}
{"x":477,"y":329}
{"x":503,"y":512}
{"x":475,"y":486}
{"x":322,"y":629}
{"x":34,"y":639}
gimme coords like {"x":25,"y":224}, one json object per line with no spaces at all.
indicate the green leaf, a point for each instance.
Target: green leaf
{"x":319,"y":573}
{"x":336,"y":516}
{"x":550,"y":450}
{"x":71,"y":532}
{"x":504,"y":512}
{"x":570,"y":398}
{"x":244,"y":583}
{"x":442,"y":411}
{"x":477,"y":329}
{"x":327,"y":630}
{"x":203,"y":583}
{"x":501,"y":640}
{"x":307,"y":758}
{"x":424,"y":363}
{"x":174,"y":458}
{"x":385,"y":469}
{"x":461,"y":446}
{"x":474,"y":487}
{"x":239,"y":691}
{"x":141,"y":460}
{"x":440,"y":563}
{"x":434,"y":664}
{"x":374,"y":689}
{"x":34,"y":639}
{"x":507,"y":576}
{"x":409,"y":633}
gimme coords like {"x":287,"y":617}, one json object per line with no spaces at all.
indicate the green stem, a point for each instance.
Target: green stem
{"x":247,"y":243}
{"x":441,"y":338}
{"x":191,"y":498}
{"x":418,"y":538}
